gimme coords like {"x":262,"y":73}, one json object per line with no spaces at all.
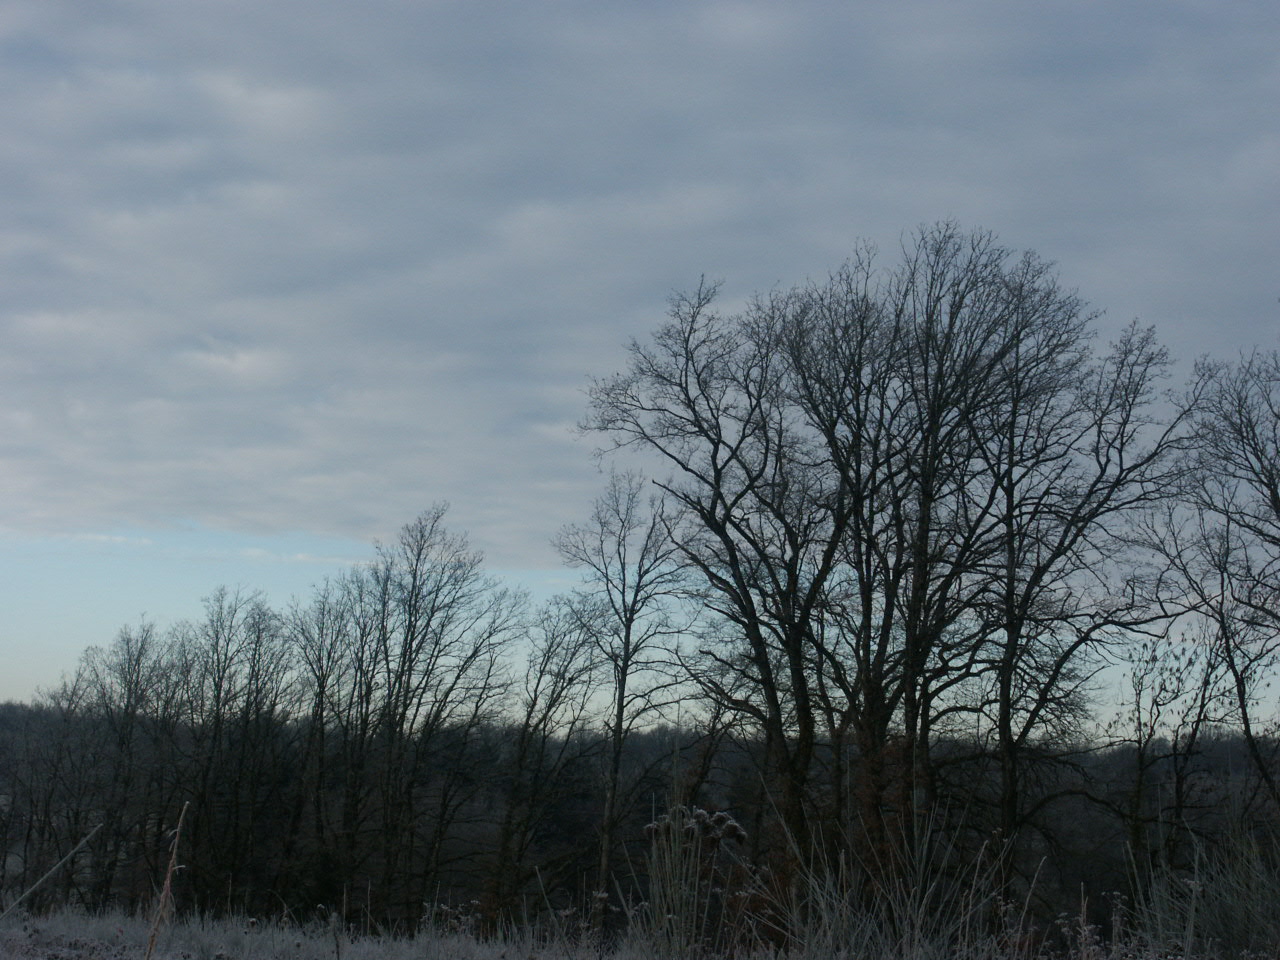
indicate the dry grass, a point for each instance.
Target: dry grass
{"x":704,"y":902}
{"x":843,"y":935}
{"x":70,"y":935}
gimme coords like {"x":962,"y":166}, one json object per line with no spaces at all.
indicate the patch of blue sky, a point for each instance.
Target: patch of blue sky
{"x":67,"y":593}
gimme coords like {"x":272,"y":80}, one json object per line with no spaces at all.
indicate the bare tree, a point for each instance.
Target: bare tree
{"x":401,"y":669}
{"x":330,"y":651}
{"x":1227,"y":552}
{"x":1171,"y":695}
{"x":1073,"y":455}
{"x":632,"y":570}
{"x":439,"y":630}
{"x":236,"y":675}
{"x":893,"y":370}
{"x":753,"y":518}
{"x":890,"y":484}
{"x":547,"y":741}
{"x":130,"y":700}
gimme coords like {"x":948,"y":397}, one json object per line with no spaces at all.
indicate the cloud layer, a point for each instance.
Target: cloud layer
{"x":292,"y":266}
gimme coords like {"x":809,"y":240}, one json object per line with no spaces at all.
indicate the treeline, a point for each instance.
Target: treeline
{"x":400,"y":739}
{"x":920,"y":565}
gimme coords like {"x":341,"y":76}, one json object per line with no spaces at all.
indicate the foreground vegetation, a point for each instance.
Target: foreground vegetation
{"x":937,"y":630}
{"x":1225,"y":910}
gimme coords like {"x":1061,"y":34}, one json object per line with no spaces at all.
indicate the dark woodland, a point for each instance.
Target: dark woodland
{"x":901,"y":583}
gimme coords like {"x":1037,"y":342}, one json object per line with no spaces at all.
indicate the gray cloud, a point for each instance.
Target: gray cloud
{"x":312,"y":266}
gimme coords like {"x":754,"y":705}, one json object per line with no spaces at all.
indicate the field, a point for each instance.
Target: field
{"x":1179,"y":927}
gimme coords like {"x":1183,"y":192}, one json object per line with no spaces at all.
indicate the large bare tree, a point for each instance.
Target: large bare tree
{"x":890,"y":483}
{"x":707,"y":396}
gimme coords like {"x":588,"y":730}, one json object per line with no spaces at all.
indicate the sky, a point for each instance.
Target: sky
{"x":276,"y":277}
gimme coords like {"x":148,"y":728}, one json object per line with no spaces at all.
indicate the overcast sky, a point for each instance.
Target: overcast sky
{"x":279,"y":275}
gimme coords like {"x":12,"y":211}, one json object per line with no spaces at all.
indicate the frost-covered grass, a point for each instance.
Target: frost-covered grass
{"x":73,"y":935}
{"x":707,"y":904}
{"x":838,"y":935}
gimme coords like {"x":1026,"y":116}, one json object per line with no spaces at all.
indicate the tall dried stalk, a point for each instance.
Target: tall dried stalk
{"x":166,"y":894}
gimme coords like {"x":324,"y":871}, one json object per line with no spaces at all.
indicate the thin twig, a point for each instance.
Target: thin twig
{"x":52,"y":871}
